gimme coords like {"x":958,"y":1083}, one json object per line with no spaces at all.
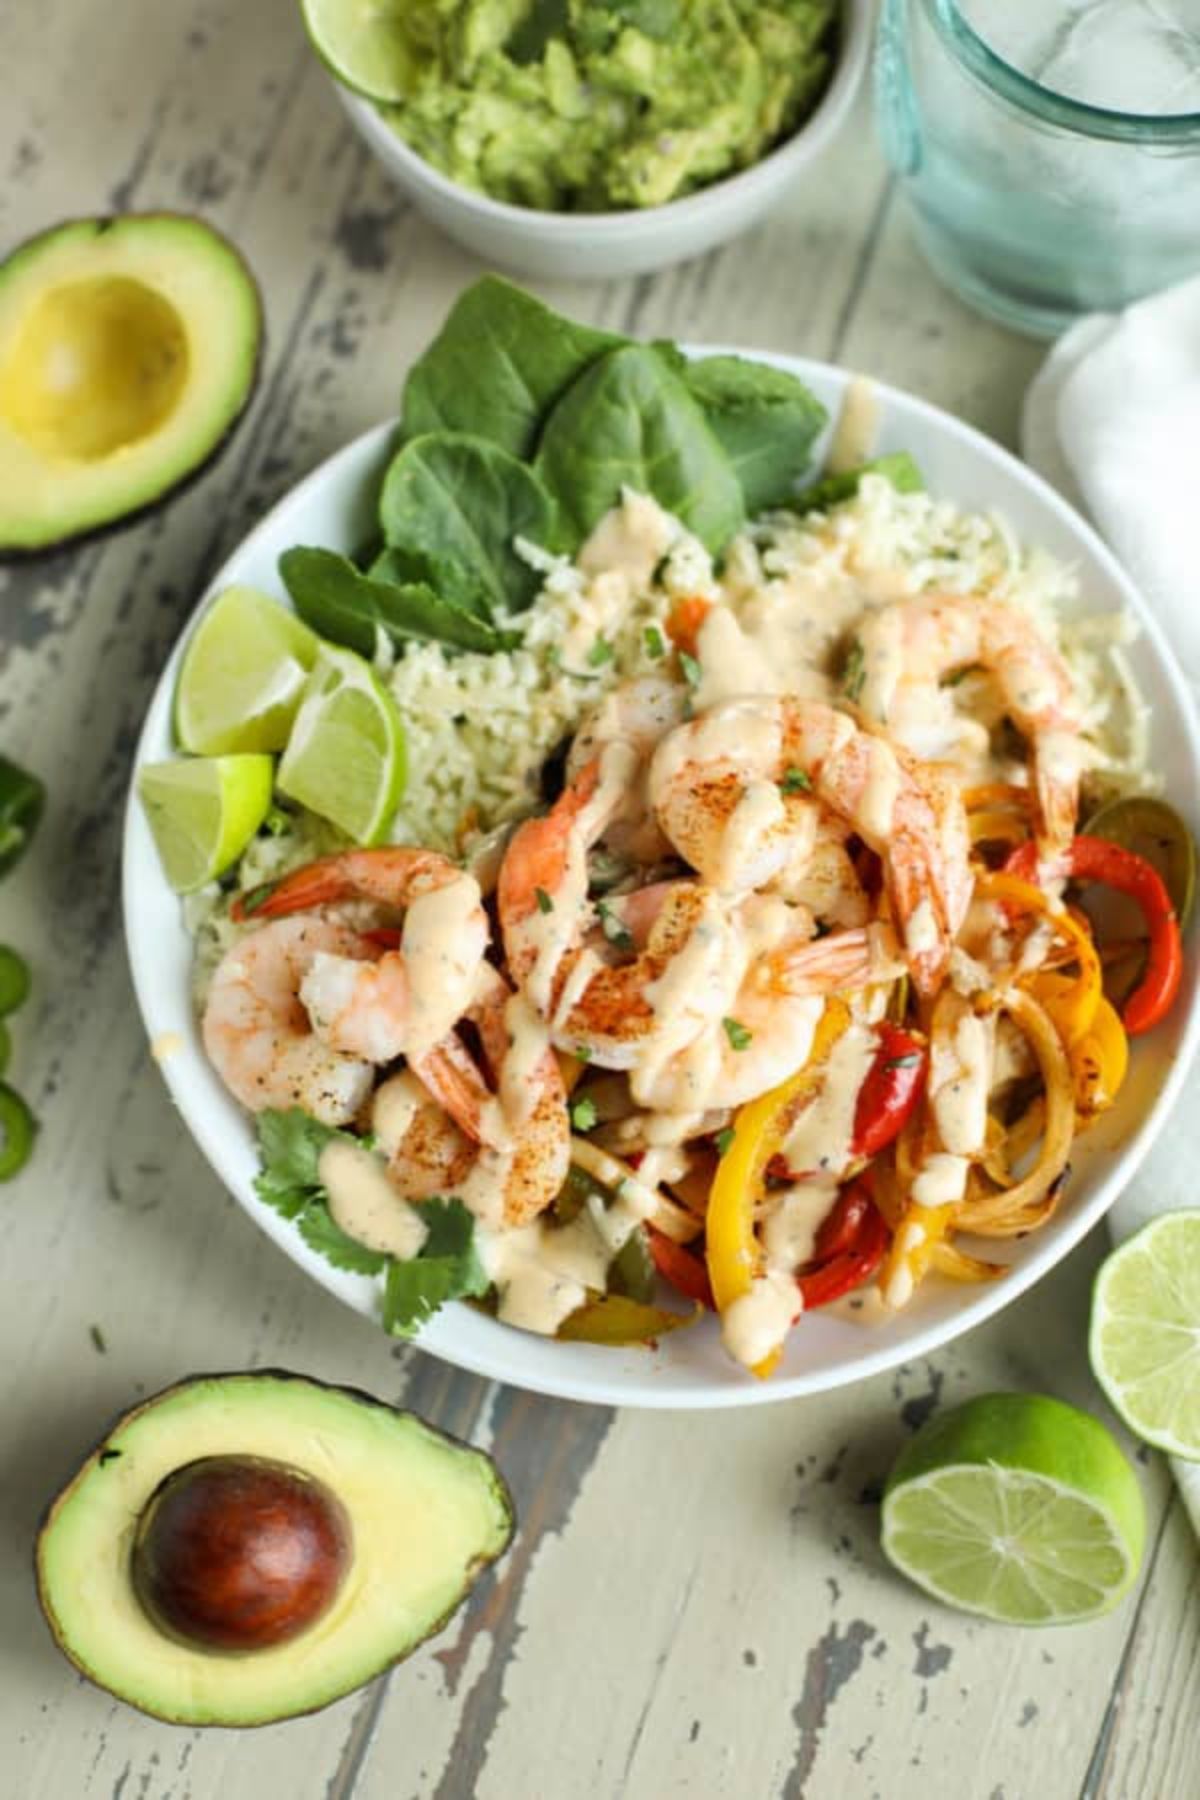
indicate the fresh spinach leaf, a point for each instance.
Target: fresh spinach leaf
{"x":342,"y":604}
{"x":765,"y":420}
{"x":497,"y":366}
{"x":447,"y":1267}
{"x":630,"y":421}
{"x":456,"y":503}
{"x":290,"y":1145}
{"x":899,"y":468}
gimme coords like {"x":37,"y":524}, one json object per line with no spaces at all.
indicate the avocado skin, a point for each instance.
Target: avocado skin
{"x":15,"y":554}
{"x":358,"y":1395}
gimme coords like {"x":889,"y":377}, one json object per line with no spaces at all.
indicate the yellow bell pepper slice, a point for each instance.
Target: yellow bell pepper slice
{"x":1072,"y":1008}
{"x":1100,"y":1060}
{"x":759,"y":1129}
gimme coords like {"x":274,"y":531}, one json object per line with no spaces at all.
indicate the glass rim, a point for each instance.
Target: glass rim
{"x":1050,"y":106}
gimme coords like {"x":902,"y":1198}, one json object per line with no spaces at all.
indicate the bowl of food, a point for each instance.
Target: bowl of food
{"x":640,"y":824}
{"x":592,"y":142}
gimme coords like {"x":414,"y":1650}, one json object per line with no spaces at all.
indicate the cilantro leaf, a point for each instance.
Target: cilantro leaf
{"x":447,"y":1267}
{"x":583,"y":1114}
{"x":692,"y":672}
{"x":740,"y":1036}
{"x":724,"y":1139}
{"x":322,"y":1233}
{"x":652,"y":637}
{"x":613,"y":927}
{"x":290,"y":1144}
{"x":795,"y":781}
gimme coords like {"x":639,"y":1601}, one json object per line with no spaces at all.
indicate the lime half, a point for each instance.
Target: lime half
{"x":1145,"y":1332}
{"x":345,"y":758}
{"x":243,"y":673}
{"x":1018,"y":1507}
{"x":365,"y":43}
{"x":203,"y":811}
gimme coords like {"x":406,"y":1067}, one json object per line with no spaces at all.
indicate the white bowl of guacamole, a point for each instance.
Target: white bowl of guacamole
{"x":647,"y":132}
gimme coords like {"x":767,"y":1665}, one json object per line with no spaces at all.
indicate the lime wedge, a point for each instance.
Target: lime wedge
{"x":243,"y":673}
{"x":1018,"y":1507}
{"x":365,"y":44}
{"x":345,"y":758}
{"x":1145,"y":1332}
{"x":203,"y":811}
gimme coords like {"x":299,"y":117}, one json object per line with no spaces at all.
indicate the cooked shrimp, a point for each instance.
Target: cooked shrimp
{"x":427,"y":1153}
{"x":409,"y":998}
{"x":745,"y":764}
{"x":257,"y":1032}
{"x":768,"y":1032}
{"x":910,"y":648}
{"x":680,"y":980}
{"x":822,"y":876}
{"x":638,"y":714}
{"x":513,"y":1113}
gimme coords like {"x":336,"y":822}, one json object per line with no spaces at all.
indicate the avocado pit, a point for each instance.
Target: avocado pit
{"x":96,"y":365}
{"x":239,"y":1553}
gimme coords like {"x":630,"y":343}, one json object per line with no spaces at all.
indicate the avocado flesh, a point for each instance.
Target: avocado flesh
{"x":128,"y":349}
{"x":426,"y":1514}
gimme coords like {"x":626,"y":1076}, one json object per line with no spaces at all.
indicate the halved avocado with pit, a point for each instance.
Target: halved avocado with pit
{"x":243,"y":1548}
{"x":128,"y":349}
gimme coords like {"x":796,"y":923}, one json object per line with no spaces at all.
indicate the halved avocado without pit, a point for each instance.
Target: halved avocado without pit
{"x":243,"y":1548}
{"x":129,"y":347}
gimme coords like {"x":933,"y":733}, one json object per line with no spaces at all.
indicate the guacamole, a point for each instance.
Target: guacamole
{"x":576,"y":106}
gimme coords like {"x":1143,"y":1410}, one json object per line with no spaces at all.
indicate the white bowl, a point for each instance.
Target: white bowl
{"x":598,"y":246}
{"x":333,"y":506}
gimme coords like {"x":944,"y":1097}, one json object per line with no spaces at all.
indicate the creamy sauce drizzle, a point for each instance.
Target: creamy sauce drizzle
{"x":821,"y":1137}
{"x":789,"y":1232}
{"x":363,"y":1202}
{"x":758,"y":1321}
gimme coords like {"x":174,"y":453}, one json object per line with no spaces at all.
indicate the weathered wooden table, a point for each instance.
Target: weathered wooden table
{"x":694,"y":1605}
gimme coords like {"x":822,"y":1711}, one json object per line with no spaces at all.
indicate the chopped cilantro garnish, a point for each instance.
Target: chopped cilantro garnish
{"x":583,"y":1114}
{"x":614,"y":929}
{"x":739,"y":1037}
{"x":692,"y":672}
{"x":652,"y":637}
{"x":795,"y":781}
{"x":290,"y":1144}
{"x":545,"y":903}
{"x":583,"y":1053}
{"x":255,"y":897}
{"x":447,"y":1267}
{"x":724,"y":1139}
{"x":600,"y":653}
{"x":855,"y":672}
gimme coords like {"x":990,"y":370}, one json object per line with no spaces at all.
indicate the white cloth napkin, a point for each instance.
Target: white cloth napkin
{"x":1113,"y":420}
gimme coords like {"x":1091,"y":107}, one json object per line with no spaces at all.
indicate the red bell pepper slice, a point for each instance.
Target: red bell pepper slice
{"x":850,"y":1267}
{"x":842,"y":1225}
{"x":1095,"y":859}
{"x":680,"y":1268}
{"x":890,"y":1094}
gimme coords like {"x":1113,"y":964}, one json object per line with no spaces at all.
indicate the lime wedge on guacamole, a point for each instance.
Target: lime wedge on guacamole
{"x":345,"y":758}
{"x":1018,"y":1507}
{"x":365,"y":43}
{"x":203,"y":811}
{"x":244,"y":670}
